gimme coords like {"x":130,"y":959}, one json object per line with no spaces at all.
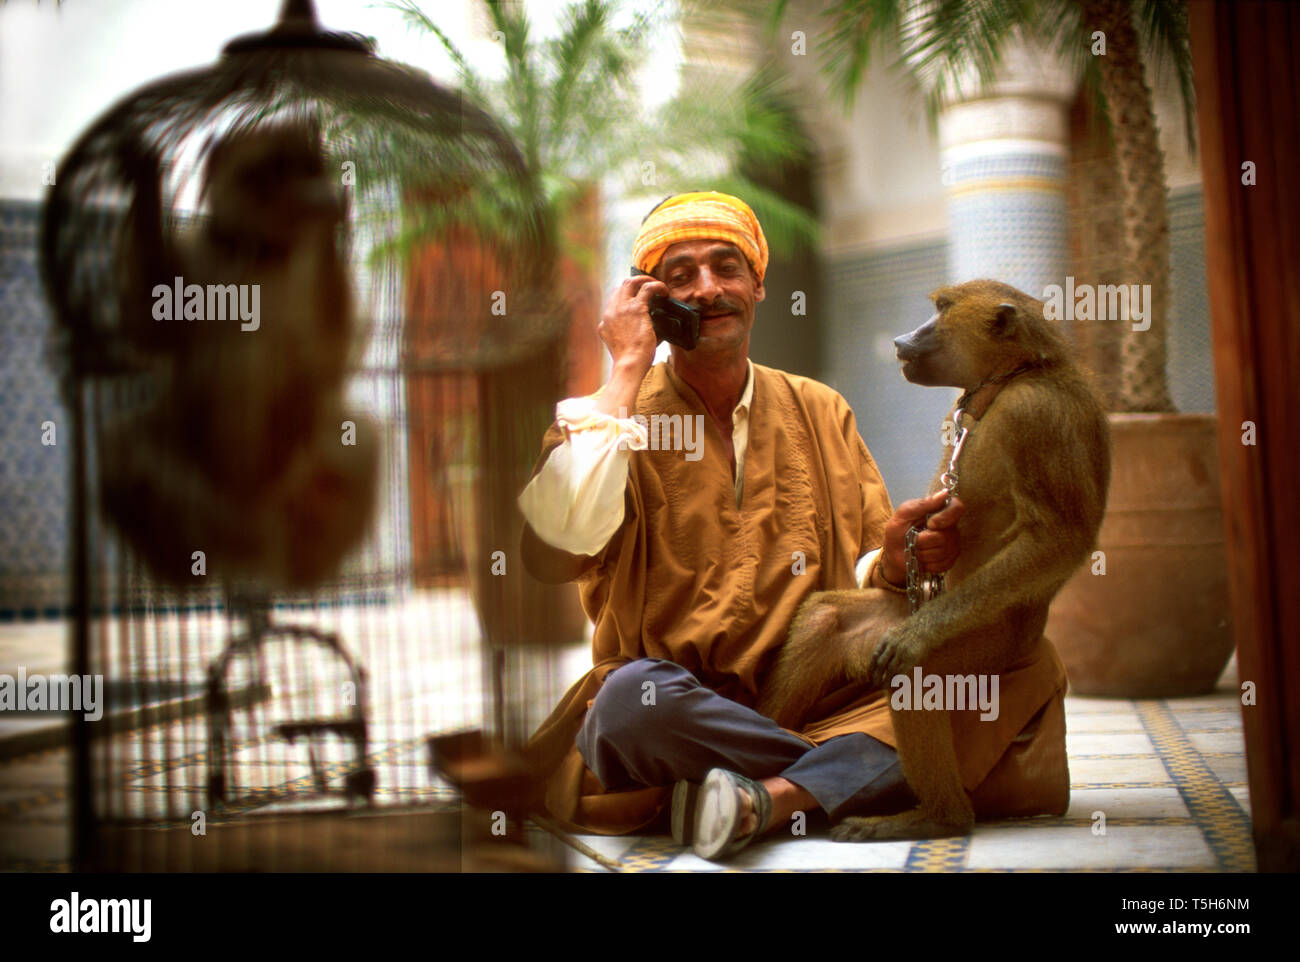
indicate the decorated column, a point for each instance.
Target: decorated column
{"x":1004,"y":155}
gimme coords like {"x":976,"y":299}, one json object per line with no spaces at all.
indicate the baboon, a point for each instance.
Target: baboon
{"x":241,"y":453}
{"x":1033,"y":474}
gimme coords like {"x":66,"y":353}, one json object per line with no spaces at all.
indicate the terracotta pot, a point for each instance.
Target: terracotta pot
{"x":1156,"y":624}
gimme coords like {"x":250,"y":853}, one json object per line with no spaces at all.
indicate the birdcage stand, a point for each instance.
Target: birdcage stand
{"x":359,"y":782}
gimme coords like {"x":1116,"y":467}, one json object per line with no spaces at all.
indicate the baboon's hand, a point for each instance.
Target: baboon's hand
{"x":898,"y":653}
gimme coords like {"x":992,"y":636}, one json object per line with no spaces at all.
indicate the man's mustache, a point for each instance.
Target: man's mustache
{"x":718,"y":307}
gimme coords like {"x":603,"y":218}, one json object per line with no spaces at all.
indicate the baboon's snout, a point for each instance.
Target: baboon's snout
{"x":910,"y":346}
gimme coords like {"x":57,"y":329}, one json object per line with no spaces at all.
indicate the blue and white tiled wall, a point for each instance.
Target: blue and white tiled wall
{"x":33,"y":477}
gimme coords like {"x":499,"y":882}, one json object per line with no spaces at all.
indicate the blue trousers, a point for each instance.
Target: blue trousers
{"x":653,"y":723}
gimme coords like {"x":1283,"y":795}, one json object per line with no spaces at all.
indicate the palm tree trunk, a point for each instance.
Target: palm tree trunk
{"x":1143,"y":384}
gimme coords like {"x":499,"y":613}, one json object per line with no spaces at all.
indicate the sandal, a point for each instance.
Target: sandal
{"x":717,"y":814}
{"x":685,"y":798}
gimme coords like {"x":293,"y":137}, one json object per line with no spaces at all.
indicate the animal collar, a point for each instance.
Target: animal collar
{"x":964,"y":402}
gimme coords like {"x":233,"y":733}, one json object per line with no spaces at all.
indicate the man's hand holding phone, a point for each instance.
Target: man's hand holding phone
{"x":628,"y":333}
{"x":674,"y":321}
{"x":639,"y":314}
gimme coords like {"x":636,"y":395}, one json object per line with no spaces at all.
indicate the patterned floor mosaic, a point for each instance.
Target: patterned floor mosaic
{"x":1158,"y":786}
{"x":1166,"y":779}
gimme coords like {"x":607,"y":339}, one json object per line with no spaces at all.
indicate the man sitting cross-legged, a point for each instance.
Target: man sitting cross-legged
{"x":692,"y":561}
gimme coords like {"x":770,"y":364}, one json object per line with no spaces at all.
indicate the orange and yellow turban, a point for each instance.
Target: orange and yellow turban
{"x":702,"y":215}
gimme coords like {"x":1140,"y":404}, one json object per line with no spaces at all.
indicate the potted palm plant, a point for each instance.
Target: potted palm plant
{"x":1149,"y":617}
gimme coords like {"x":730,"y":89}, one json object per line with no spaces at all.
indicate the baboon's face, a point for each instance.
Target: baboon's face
{"x":973,"y":326}
{"x":929,"y":354}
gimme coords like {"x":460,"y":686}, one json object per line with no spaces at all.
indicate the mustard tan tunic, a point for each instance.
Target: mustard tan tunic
{"x":693,"y":579}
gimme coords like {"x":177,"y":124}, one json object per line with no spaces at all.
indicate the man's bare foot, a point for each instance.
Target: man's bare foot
{"x":787,"y":798}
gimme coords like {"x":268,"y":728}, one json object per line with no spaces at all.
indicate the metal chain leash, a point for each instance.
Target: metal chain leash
{"x":926,"y":587}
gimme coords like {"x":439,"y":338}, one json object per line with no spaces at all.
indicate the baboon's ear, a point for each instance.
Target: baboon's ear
{"x":1004,"y":320}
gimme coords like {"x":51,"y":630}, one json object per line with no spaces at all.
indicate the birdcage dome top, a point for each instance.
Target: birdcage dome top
{"x":416,"y":162}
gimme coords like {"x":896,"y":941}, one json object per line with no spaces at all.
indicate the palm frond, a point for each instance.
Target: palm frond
{"x":943,"y":43}
{"x":733,"y":117}
{"x":774,"y":17}
{"x":583,"y":29}
{"x":593,"y":97}
{"x":857,"y":28}
{"x":521,"y":88}
{"x":1164,"y":25}
{"x":466,"y":74}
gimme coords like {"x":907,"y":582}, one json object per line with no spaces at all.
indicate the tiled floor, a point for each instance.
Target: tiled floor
{"x":1157,"y":785}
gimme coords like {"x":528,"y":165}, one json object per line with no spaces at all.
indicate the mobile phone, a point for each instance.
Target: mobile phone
{"x":674,"y":321}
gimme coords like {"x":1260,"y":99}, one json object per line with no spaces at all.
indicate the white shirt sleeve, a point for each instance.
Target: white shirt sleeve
{"x":864,"y":566}
{"x":575,"y":502}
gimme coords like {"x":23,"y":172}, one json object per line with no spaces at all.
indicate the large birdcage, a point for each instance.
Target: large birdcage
{"x":306,"y":334}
